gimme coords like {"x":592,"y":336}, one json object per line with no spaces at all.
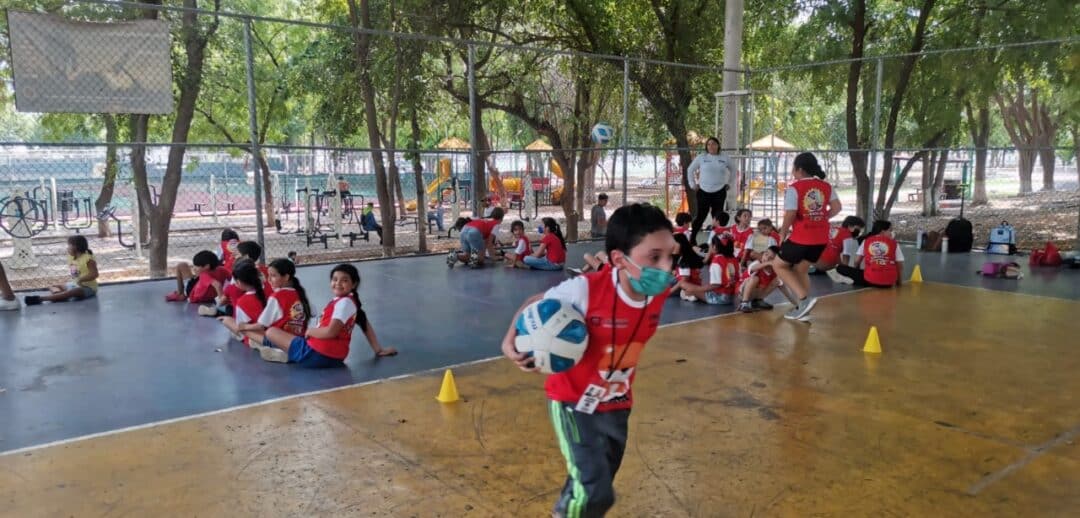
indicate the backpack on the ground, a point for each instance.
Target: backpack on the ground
{"x":960,"y":235}
{"x":1049,"y":256}
{"x":1001,"y":270}
{"x":1002,"y":240}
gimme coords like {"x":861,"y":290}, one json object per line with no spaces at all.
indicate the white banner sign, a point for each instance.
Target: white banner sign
{"x":67,"y":66}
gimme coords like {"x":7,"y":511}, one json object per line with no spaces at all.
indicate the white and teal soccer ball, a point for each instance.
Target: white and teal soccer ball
{"x":602,"y":133}
{"x":553,"y":334}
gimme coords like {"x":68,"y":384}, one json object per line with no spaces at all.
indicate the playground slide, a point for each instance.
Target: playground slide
{"x":443,"y":176}
{"x":555,"y":169}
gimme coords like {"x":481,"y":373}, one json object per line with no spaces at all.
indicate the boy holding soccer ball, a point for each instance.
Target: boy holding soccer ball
{"x":590,"y":403}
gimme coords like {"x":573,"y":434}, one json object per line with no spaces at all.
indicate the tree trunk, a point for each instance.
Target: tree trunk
{"x":939,"y":179}
{"x":979,"y":129}
{"x":1025,"y":164}
{"x":268,"y":187}
{"x":418,"y":179}
{"x":1046,"y":137}
{"x":1076,"y":159}
{"x":856,"y":146}
{"x":108,"y":184}
{"x":361,"y":18}
{"x":928,"y":161}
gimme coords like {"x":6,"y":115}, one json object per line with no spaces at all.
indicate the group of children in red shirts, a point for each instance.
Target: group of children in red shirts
{"x":739,"y":259}
{"x":266,"y":307}
{"x":479,"y":244}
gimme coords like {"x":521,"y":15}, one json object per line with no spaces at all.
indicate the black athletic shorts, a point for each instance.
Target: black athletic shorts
{"x":794,"y":253}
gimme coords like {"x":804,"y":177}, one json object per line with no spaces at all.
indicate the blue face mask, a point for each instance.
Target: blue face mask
{"x":652,"y":281}
{"x":540,"y":229}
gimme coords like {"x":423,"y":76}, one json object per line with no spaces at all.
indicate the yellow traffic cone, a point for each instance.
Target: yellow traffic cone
{"x":448,"y":393}
{"x":916,"y":276}
{"x":873,"y":344}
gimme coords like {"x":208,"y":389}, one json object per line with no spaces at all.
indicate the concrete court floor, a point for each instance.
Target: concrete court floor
{"x":971,"y":410}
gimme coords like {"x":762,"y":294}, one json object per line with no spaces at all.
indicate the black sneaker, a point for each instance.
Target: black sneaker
{"x":760,"y":304}
{"x":32,"y":300}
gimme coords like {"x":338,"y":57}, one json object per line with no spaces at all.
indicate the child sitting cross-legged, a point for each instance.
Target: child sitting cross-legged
{"x":723,"y":273}
{"x":759,"y":280}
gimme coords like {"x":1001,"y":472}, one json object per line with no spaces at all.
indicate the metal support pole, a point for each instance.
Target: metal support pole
{"x":747,"y":163}
{"x":625,"y":125}
{"x":254,"y":129}
{"x":213,"y":198}
{"x":874,"y":143}
{"x":474,"y":135}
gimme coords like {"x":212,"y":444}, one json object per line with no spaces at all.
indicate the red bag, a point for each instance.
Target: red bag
{"x":1036,"y":257}
{"x":1052,"y":257}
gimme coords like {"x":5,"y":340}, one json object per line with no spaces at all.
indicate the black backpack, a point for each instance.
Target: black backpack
{"x":961,"y":235}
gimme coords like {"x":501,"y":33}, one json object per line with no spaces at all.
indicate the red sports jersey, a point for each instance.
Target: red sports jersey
{"x":879,"y":255}
{"x":811,"y":225}
{"x":204,"y":289}
{"x":740,"y":237}
{"x":764,"y":276}
{"x":611,"y":357}
{"x":485,"y":226}
{"x":343,"y":309}
{"x":555,"y":251}
{"x":690,"y":274}
{"x":832,"y":252}
{"x":684,"y":230}
{"x":528,"y":246}
{"x":229,"y":254}
{"x":247,"y":309}
{"x":285,"y":311}
{"x":723,"y":274}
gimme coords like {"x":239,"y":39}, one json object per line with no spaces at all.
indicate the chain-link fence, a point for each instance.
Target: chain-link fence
{"x":458,"y":117}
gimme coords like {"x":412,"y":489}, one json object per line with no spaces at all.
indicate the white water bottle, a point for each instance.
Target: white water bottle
{"x":944,"y":245}
{"x":918,"y":239}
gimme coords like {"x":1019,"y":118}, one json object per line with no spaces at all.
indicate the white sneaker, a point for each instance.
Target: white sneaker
{"x":687,"y":297}
{"x":273,"y":354}
{"x":208,"y":311}
{"x":839,"y":279}
{"x":10,"y":305}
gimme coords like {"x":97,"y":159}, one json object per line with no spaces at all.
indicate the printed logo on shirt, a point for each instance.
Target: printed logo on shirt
{"x":879,"y":252}
{"x":617,"y":380}
{"x":813,"y":201}
{"x":295,"y":325}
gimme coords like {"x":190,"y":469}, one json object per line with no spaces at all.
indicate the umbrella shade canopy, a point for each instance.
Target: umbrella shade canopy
{"x":538,"y":145}
{"x":453,"y":143}
{"x":771,"y":143}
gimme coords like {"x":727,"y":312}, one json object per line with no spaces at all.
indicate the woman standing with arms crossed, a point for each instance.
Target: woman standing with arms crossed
{"x":809,"y":203}
{"x":708,"y":177}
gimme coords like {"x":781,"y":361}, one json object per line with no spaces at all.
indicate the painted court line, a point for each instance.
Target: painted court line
{"x":1033,"y":454}
{"x":164,"y":422}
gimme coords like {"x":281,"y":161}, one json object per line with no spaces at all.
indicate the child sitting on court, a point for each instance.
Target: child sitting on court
{"x":223,"y":304}
{"x":84,"y":274}
{"x":8,"y":302}
{"x":287,"y":308}
{"x":683,"y":220}
{"x":593,"y":263}
{"x":551,"y":254}
{"x":328,"y":344}
{"x":723,"y":273}
{"x":590,"y":402}
{"x":201,"y":282}
{"x":758,"y":281}
{"x":249,"y":306}
{"x":741,"y":233}
{"x":522,"y":247}
{"x":763,"y":238}
{"x":688,"y":264}
{"x":721,"y":227}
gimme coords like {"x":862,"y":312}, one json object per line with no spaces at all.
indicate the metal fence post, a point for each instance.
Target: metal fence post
{"x":874,"y":143}
{"x":254,"y":128}
{"x":474,"y":135}
{"x":625,"y":125}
